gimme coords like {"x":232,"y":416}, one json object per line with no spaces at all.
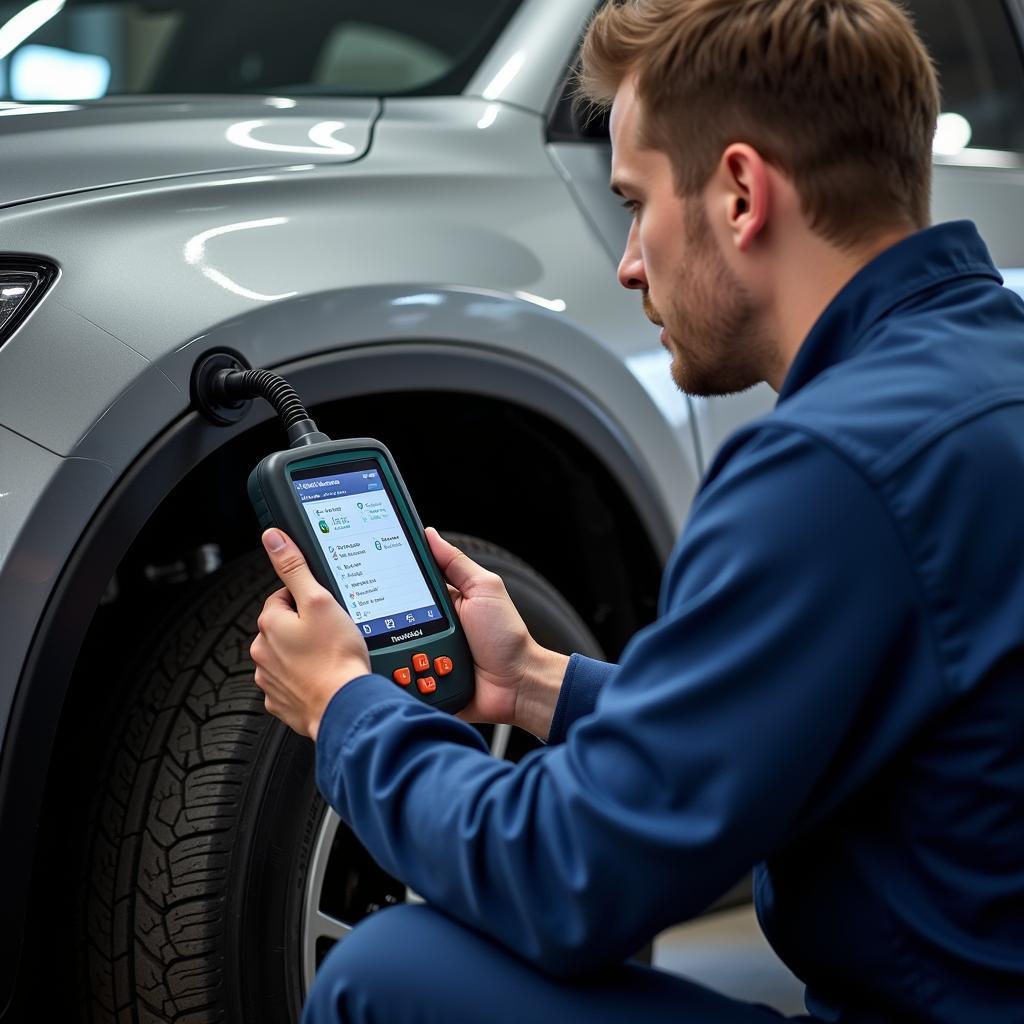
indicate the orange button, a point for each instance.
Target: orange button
{"x":402,"y":676}
{"x":420,"y":662}
{"x":427,"y":684}
{"x":442,"y":666}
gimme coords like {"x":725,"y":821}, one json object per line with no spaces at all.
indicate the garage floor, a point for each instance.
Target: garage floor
{"x":726,"y":951}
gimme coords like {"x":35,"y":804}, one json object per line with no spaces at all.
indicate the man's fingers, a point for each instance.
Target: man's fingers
{"x":291,"y":567}
{"x":256,"y":653}
{"x":459,"y":570}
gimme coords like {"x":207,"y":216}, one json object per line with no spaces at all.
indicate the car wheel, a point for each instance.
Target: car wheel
{"x":217,"y":878}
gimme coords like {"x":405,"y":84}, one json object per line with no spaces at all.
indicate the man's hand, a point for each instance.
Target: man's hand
{"x":517,"y":680}
{"x":307,"y":647}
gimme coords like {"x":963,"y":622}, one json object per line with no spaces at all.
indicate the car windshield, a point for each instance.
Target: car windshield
{"x":68,"y":50}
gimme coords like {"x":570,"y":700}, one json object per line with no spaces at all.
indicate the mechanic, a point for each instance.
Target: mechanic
{"x":833,"y":688}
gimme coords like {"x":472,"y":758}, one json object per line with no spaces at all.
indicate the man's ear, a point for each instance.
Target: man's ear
{"x":744,"y":191}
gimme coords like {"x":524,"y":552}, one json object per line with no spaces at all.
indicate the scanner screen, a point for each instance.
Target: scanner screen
{"x":369,"y":552}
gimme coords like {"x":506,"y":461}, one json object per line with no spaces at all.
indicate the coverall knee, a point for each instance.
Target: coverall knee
{"x":413,"y":964}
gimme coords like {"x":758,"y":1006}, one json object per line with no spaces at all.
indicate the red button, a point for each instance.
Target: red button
{"x":421,"y":662}
{"x":442,"y":666}
{"x":427,"y":684}
{"x":402,"y":676}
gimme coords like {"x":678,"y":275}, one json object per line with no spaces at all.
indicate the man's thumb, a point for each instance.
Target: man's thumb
{"x":457,"y":568}
{"x":290,"y":566}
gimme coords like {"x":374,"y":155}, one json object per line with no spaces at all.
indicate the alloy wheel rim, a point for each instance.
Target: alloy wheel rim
{"x":318,"y":925}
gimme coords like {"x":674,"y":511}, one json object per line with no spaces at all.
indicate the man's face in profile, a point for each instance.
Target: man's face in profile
{"x":672,"y":256}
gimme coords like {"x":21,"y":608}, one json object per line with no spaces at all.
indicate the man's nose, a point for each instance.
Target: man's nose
{"x":631,"y":267}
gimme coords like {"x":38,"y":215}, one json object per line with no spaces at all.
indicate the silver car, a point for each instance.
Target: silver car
{"x":398,"y":207}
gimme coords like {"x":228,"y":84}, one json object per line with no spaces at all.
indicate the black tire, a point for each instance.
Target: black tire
{"x":200,"y":850}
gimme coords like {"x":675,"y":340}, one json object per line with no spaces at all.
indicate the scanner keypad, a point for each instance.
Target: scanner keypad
{"x":421,"y":665}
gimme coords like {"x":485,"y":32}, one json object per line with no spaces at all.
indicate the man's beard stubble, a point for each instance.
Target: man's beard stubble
{"x":717,"y":345}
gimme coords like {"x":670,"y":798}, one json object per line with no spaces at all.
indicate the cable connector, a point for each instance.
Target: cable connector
{"x":223,"y":387}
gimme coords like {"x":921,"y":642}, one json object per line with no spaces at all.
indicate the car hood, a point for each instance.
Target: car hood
{"x":54,"y":149}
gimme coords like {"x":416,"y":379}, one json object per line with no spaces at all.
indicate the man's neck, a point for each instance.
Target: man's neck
{"x":813,"y":274}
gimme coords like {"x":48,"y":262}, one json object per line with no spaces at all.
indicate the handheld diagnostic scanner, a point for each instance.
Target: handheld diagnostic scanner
{"x":345,"y":505}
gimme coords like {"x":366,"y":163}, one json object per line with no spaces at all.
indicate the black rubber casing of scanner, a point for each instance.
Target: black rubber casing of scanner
{"x":276,"y":504}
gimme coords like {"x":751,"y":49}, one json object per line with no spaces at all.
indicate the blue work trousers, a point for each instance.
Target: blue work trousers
{"x":412,"y":964}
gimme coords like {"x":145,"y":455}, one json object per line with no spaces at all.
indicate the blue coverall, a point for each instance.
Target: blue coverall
{"x":833,"y":691}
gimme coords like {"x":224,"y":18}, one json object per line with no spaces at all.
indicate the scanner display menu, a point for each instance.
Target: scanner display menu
{"x":369,"y":552}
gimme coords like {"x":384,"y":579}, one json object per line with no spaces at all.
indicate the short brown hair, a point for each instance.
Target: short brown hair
{"x":839,"y":94}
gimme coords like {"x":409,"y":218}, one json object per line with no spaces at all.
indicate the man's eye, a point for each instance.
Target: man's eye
{"x":632,"y":205}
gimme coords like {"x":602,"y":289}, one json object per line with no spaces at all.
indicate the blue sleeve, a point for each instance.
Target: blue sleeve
{"x":789,"y":614}
{"x":583,"y":682}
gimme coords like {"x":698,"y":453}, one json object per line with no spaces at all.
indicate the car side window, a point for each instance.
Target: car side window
{"x":573,"y":120}
{"x":370,"y":57}
{"x":981,"y":71}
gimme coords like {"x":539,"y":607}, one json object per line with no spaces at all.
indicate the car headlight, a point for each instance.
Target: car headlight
{"x":23,"y":280}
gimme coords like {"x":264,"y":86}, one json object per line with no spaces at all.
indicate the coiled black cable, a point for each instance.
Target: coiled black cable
{"x":239,"y":385}
{"x":230,"y":388}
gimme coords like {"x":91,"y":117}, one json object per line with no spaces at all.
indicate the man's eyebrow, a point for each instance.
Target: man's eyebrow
{"x":616,"y":186}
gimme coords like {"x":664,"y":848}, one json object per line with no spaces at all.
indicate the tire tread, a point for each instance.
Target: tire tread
{"x":160,"y":844}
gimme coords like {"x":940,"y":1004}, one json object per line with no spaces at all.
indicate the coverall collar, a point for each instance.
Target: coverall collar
{"x":923,"y":260}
